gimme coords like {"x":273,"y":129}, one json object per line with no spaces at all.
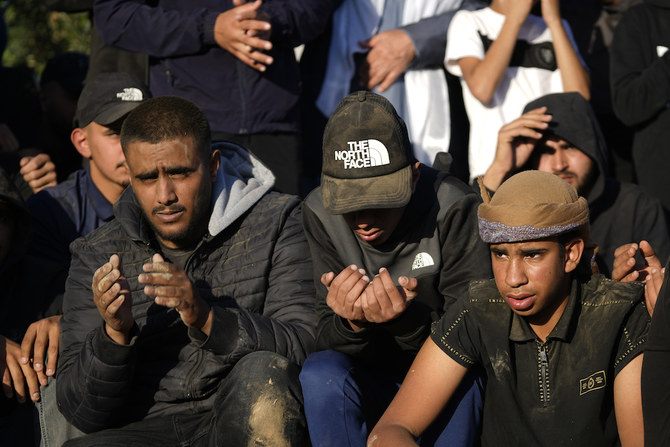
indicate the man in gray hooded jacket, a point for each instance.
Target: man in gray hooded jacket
{"x":186,"y":316}
{"x":559,"y":133}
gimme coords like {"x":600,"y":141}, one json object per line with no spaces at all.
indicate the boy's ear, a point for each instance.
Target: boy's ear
{"x":416,"y":173}
{"x":79,"y":139}
{"x":214,"y":163}
{"x":573,"y":254}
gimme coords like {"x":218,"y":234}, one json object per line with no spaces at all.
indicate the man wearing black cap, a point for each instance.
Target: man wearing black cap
{"x":394,"y":243}
{"x":78,"y":206}
{"x":559,"y":133}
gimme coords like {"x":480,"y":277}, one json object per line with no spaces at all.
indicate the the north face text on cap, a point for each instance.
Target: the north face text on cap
{"x":363,"y":154}
{"x":130,"y":94}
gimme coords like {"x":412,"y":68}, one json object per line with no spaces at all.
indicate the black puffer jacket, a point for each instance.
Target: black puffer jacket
{"x":253,"y":268}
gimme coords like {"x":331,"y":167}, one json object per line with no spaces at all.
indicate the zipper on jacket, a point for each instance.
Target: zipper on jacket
{"x":192,"y":391}
{"x":193,"y":375}
{"x":544,"y":372}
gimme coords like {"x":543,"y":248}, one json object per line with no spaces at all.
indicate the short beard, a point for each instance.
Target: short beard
{"x":191,"y":234}
{"x":585,"y":187}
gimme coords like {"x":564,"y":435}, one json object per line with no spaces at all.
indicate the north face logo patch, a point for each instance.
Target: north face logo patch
{"x":130,"y":94}
{"x":363,"y":154}
{"x":422,"y":259}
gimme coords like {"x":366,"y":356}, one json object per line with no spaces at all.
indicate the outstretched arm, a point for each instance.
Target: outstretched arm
{"x":573,"y":74}
{"x":628,"y":404}
{"x":428,"y":386}
{"x":484,"y":75}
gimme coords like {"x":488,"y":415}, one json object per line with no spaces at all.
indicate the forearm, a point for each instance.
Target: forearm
{"x":298,"y":21}
{"x":483,"y":80}
{"x":236,"y":332}
{"x":335,"y":333}
{"x":430,"y":40}
{"x":92,"y":390}
{"x":392,"y":436}
{"x":573,"y":74}
{"x":155,"y":31}
{"x":495,"y":175}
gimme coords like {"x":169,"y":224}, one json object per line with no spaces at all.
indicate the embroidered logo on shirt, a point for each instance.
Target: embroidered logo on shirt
{"x":363,"y":154}
{"x":593,"y":382}
{"x":421,"y":260}
{"x":130,"y":94}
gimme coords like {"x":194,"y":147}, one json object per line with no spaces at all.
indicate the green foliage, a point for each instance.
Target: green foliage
{"x":35,"y":34}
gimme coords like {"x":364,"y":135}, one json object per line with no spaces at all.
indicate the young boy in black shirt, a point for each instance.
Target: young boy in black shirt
{"x":562,"y":349}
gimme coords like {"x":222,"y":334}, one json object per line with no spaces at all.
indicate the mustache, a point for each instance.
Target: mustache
{"x":566,"y":172}
{"x":172,"y":209}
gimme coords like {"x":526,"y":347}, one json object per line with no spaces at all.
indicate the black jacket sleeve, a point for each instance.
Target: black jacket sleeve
{"x":94,"y":373}
{"x":287,"y":323}
{"x":123,"y":23}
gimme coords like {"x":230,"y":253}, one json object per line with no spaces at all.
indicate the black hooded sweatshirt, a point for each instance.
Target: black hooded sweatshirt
{"x":621,"y":213}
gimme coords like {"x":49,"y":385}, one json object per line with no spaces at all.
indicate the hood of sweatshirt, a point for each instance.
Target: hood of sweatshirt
{"x":573,"y":120}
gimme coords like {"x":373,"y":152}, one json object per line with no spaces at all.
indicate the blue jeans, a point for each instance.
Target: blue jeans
{"x":344,"y":400}
{"x":54,"y":428}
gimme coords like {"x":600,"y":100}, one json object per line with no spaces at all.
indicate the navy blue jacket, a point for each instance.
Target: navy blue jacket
{"x":187,"y":62}
{"x":64,"y":212}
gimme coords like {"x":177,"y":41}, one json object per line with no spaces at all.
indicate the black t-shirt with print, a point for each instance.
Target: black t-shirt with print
{"x":557,"y":392}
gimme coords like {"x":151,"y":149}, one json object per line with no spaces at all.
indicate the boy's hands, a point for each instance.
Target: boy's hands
{"x":384,"y":301}
{"x":353,"y":296}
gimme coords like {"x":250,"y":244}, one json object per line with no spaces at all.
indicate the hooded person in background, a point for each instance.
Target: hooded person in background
{"x":559,"y":133}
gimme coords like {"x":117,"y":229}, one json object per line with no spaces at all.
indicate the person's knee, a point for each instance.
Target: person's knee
{"x":262,"y":398}
{"x":263,"y":372}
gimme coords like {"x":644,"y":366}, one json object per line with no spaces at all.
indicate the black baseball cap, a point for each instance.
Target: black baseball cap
{"x":367,"y":156}
{"x":108,"y":97}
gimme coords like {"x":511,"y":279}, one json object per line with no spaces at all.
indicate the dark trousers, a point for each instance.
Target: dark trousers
{"x":258,"y":403}
{"x":344,"y":400}
{"x":279,"y":152}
